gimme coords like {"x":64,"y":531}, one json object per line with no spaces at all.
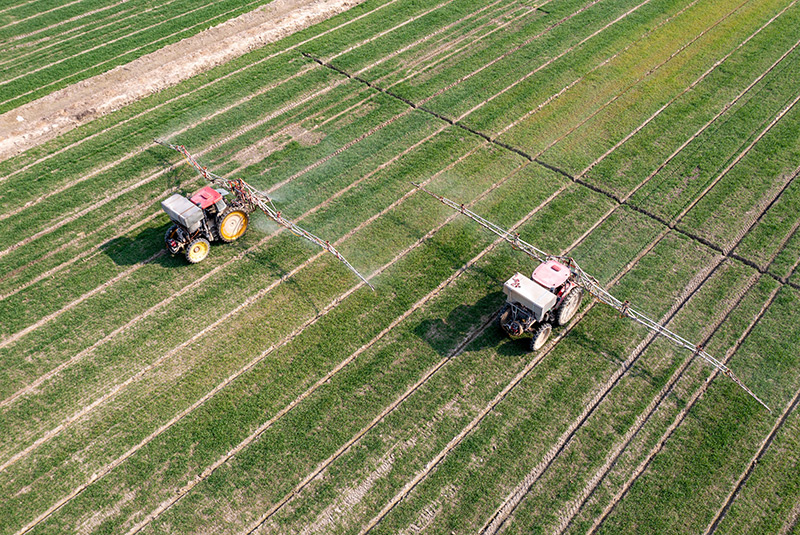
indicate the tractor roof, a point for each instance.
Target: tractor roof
{"x":551,"y":274}
{"x":206,"y":196}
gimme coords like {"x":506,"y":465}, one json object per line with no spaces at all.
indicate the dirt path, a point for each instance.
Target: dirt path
{"x":57,"y":113}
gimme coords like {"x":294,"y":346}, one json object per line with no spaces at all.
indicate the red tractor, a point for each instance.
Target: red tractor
{"x":550,"y":297}
{"x":202,"y":219}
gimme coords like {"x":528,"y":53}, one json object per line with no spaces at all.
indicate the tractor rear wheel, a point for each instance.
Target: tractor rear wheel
{"x":197,"y":251}
{"x":540,"y":336}
{"x":569,"y":306}
{"x":232,"y":223}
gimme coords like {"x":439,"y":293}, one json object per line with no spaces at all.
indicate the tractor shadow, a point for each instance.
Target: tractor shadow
{"x":470,"y":327}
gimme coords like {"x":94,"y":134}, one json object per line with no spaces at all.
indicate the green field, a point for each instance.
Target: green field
{"x":267,"y":390}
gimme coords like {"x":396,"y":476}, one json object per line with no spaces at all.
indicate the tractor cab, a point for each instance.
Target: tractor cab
{"x":534,"y":304}
{"x":203,"y":218}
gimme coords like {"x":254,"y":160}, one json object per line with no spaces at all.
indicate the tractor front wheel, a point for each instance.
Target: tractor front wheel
{"x":569,"y":306}
{"x":540,"y":336}
{"x":197,"y":251}
{"x":232,"y":223}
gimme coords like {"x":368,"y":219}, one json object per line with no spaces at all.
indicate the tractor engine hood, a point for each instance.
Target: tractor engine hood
{"x":523,"y":291}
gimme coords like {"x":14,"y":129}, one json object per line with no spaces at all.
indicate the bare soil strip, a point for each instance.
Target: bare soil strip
{"x":681,"y":416}
{"x":57,"y":113}
{"x":81,"y":111}
{"x":765,"y":444}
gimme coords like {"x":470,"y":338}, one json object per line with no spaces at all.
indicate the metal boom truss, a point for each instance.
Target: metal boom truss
{"x":593,"y":287}
{"x":258,"y":199}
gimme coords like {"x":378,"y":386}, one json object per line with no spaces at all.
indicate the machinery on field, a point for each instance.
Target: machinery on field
{"x":553,"y":294}
{"x":206,"y":216}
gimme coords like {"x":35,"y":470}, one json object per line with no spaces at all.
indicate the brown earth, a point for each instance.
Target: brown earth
{"x":43,"y":119}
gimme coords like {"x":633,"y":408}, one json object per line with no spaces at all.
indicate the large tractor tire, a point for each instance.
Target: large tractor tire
{"x":540,"y":336}
{"x":232,"y":223}
{"x":569,"y":306}
{"x":172,"y":234}
{"x":197,"y":251}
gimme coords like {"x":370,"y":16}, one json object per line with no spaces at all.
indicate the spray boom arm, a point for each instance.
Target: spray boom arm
{"x":593,"y":287}
{"x":257,"y":199}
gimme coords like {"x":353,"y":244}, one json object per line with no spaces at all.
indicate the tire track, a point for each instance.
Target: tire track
{"x":246,"y":303}
{"x":553,"y":59}
{"x":81,"y":29}
{"x":159,"y":173}
{"x":258,"y":359}
{"x":569,"y":86}
{"x":61,"y":23}
{"x":19,"y":334}
{"x":681,"y":415}
{"x":40,"y":13}
{"x":640,"y":79}
{"x":203,"y":152}
{"x":765,"y":444}
{"x":567,"y":514}
{"x":700,"y":79}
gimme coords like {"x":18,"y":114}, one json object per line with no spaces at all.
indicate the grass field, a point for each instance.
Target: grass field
{"x":267,"y":390}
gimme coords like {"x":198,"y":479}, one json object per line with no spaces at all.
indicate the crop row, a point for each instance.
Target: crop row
{"x":193,"y":366}
{"x":95,"y":50}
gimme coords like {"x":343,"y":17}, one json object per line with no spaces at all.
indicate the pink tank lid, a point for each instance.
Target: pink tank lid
{"x":551,"y":274}
{"x":205,"y":197}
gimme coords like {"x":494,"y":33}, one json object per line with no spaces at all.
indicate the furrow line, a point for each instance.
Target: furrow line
{"x":432,"y":464}
{"x":681,"y":416}
{"x":451,"y":48}
{"x":292,"y":105}
{"x":40,"y":13}
{"x":765,"y":444}
{"x":204,"y":86}
{"x":88,"y":253}
{"x":104,"y":44}
{"x":697,"y":81}
{"x":340,"y":150}
{"x":792,"y":521}
{"x":510,"y":504}
{"x":39,"y":49}
{"x":16,"y":336}
{"x":551,"y":60}
{"x":511,"y":50}
{"x":736,"y":160}
{"x":111,"y":22}
{"x":390,"y":30}
{"x":641,"y":78}
{"x":62,"y":22}
{"x":566,"y":515}
{"x":269,"y":423}
{"x":569,"y":86}
{"x":569,"y":511}
{"x":250,"y":300}
{"x":427,"y":375}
